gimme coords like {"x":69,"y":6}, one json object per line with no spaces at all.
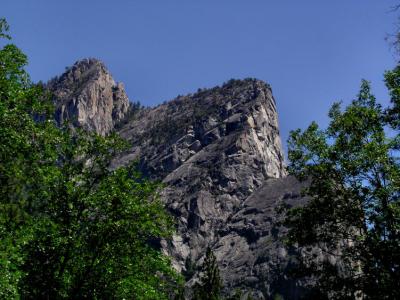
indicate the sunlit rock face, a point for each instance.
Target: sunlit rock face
{"x":218,"y":153}
{"x":88,"y":96}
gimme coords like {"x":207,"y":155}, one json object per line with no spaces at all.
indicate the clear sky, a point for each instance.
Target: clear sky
{"x":312,"y":52}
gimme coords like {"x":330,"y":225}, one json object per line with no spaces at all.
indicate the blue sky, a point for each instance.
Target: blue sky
{"x":312,"y":52}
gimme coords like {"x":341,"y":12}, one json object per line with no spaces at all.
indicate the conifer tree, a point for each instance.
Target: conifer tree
{"x":210,"y":285}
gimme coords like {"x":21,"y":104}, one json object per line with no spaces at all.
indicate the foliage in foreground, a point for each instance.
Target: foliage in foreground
{"x":350,"y":228}
{"x":69,"y":226}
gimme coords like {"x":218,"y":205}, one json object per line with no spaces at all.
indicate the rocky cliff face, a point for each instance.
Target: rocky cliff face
{"x":219,"y":154}
{"x":88,"y":96}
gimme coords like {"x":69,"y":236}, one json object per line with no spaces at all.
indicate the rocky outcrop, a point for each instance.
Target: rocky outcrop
{"x":235,"y":125}
{"x":87,"y":96}
{"x":251,"y":252}
{"x":217,"y":151}
{"x":219,"y":154}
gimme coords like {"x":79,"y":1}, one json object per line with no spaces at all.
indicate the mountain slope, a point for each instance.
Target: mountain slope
{"x":219,"y":154}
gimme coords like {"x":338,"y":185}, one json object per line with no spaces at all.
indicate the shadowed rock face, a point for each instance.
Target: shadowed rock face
{"x":88,"y":96}
{"x":251,"y":253}
{"x":219,"y":154}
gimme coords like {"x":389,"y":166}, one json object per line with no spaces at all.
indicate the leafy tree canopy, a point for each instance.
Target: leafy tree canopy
{"x":70,"y":227}
{"x":350,"y":228}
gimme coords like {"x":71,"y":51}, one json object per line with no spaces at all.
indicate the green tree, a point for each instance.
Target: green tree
{"x":350,"y":228}
{"x":23,"y":161}
{"x":210,"y":285}
{"x":70,"y":226}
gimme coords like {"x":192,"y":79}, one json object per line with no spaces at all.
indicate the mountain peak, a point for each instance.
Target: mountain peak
{"x":93,"y":66}
{"x":237,"y":119}
{"x":87,"y":95}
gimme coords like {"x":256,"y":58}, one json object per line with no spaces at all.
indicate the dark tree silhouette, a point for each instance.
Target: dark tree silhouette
{"x":210,"y":285}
